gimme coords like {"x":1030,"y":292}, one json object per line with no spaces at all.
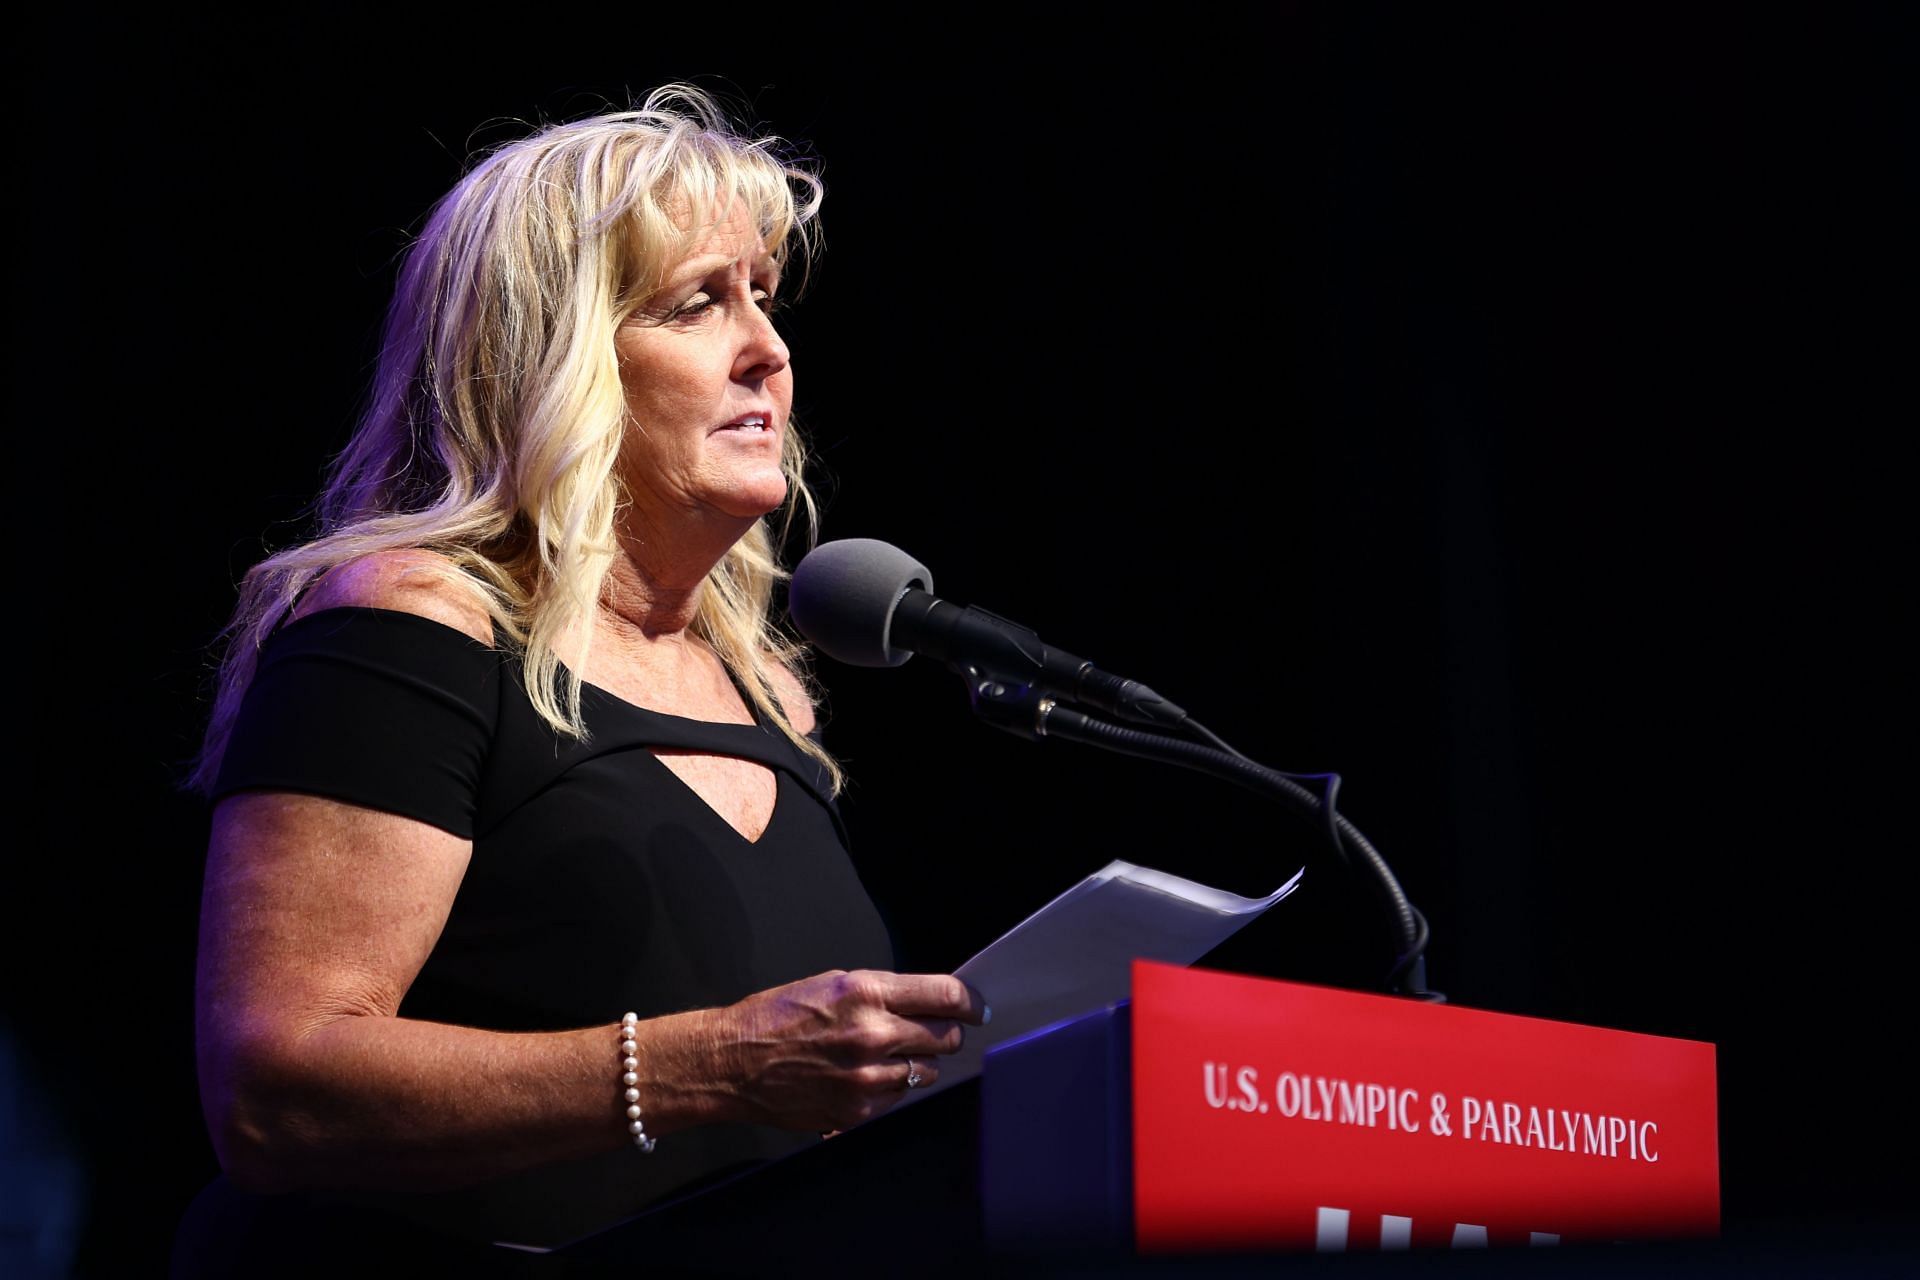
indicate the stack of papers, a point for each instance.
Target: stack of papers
{"x":1076,"y":953}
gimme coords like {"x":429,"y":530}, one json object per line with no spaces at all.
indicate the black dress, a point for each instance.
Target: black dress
{"x":599,"y":881}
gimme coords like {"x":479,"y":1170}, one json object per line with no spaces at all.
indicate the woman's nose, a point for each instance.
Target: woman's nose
{"x":762,"y":353}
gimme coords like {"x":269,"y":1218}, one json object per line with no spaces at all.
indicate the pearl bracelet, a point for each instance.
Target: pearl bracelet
{"x":629,"y":1066}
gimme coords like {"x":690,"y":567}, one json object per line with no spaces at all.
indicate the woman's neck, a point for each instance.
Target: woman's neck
{"x":644,"y":605}
{"x":655,"y":585}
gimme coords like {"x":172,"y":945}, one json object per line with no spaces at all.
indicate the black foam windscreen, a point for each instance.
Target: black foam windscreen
{"x":843,"y":595}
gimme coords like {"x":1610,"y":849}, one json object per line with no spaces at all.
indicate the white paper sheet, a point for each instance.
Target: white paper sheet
{"x":1076,"y":953}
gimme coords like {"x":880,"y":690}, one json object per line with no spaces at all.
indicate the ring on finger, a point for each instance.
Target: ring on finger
{"x":913,"y":1075}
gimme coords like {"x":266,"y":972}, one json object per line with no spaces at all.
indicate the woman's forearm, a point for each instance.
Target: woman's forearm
{"x":377,"y":1102}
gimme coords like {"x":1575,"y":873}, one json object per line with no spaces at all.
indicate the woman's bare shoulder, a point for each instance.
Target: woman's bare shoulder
{"x":409,"y":580}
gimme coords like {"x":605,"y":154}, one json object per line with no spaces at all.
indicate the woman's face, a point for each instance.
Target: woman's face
{"x":708,"y":386}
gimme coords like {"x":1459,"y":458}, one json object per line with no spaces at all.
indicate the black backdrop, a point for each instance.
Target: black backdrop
{"x":1491,"y":406}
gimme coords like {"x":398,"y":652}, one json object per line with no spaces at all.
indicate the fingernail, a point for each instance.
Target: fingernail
{"x":986,"y":1014}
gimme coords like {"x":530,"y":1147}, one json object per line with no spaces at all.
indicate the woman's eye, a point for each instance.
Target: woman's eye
{"x":692,"y":306}
{"x":702,"y":302}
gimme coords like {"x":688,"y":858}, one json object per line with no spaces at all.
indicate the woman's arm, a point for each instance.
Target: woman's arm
{"x":319,"y":914}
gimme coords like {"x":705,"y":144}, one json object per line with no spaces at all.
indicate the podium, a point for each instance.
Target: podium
{"x":1217,"y":1113}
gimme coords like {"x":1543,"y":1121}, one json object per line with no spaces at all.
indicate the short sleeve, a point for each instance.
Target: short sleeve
{"x":371,"y":706}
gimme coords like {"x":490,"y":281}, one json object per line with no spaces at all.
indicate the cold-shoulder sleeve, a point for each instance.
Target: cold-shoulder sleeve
{"x":372,"y":706}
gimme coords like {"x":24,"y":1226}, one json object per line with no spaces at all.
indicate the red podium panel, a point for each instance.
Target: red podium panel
{"x":1273,"y":1115}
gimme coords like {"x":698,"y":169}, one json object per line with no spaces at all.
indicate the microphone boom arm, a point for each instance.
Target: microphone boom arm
{"x":1027,"y":712}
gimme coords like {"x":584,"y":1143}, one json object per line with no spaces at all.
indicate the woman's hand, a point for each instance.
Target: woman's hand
{"x":831,"y":1051}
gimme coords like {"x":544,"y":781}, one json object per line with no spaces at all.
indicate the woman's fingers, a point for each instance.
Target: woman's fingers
{"x":934,"y":1011}
{"x":901,"y":1074}
{"x":924,"y":1014}
{"x":927,"y":1037}
{"x":921,"y":1073}
{"x":836,"y":1049}
{"x":930,"y":995}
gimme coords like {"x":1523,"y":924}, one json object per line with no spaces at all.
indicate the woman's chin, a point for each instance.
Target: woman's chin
{"x":751,"y":501}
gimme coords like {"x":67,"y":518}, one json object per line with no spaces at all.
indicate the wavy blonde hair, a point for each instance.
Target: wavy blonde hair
{"x":497,"y":413}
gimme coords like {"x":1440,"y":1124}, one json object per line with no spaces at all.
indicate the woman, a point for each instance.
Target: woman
{"x":511,"y":747}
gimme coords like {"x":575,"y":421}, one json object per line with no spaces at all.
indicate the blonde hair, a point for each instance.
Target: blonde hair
{"x":497,"y":413}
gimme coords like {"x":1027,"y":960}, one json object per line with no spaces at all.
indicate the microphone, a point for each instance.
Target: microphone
{"x":869,"y":604}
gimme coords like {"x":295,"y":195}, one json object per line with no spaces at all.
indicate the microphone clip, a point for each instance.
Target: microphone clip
{"x":1015,"y":706}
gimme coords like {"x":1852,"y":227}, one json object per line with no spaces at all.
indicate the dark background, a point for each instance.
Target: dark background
{"x":1496,"y":407}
